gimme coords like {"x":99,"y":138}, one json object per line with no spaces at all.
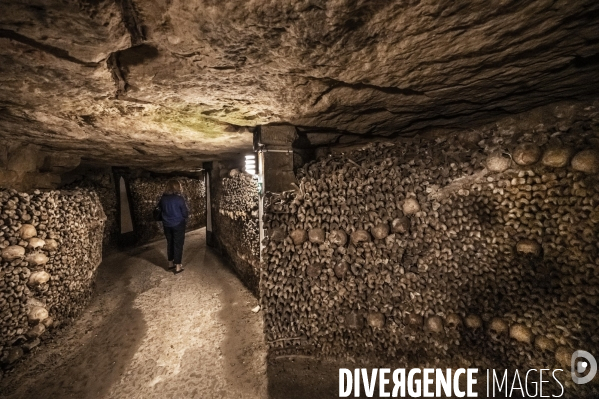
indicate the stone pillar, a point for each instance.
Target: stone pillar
{"x":277,"y":144}
{"x":208,"y":174}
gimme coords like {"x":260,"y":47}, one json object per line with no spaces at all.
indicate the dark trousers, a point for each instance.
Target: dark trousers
{"x":175,"y":237}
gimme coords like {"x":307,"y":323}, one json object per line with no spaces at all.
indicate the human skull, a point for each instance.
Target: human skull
{"x":521,"y":333}
{"x":497,"y":328}
{"x":473,"y":322}
{"x":453,"y":321}
{"x":434,"y":324}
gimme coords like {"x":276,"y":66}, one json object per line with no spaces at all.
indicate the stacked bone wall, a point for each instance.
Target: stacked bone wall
{"x":51,"y":246}
{"x":102,"y":183}
{"x":145,"y":194}
{"x":476,"y":249}
{"x":235,"y":215}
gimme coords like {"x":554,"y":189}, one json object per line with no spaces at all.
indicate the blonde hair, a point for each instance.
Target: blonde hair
{"x":173,"y":187}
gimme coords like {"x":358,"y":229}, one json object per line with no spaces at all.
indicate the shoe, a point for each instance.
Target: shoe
{"x":171,"y":264}
{"x":179,"y":269}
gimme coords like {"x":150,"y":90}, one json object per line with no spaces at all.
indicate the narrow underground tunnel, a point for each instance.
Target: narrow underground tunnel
{"x":379,"y":199}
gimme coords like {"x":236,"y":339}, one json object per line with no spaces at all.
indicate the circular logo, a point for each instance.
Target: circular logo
{"x":579,"y":367}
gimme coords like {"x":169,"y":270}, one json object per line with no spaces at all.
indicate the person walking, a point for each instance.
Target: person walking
{"x":174,"y":218}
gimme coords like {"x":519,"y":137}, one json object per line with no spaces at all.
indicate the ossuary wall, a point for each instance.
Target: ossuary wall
{"x":475,"y":248}
{"x":235,"y":216}
{"x":101,"y":181}
{"x":51,"y":246}
{"x":145,"y":194}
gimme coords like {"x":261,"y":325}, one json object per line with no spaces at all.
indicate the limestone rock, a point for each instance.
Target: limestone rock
{"x":137,"y":85}
{"x":23,"y":159}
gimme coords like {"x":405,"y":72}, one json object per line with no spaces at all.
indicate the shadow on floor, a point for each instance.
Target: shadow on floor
{"x":109,"y":333}
{"x":152,"y":255}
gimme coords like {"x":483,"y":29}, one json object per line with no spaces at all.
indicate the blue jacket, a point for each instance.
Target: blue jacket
{"x":174,"y":210}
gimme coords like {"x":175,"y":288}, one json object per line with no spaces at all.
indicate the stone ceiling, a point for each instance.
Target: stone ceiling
{"x":178,"y":82}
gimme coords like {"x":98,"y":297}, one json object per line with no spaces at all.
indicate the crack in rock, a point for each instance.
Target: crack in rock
{"x":46,"y":48}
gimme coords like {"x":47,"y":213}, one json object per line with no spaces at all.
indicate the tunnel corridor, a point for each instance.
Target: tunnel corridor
{"x":366,"y":188}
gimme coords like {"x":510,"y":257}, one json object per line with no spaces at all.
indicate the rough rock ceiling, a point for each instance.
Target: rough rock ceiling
{"x":162,"y":82}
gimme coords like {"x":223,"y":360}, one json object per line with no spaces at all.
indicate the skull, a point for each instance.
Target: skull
{"x":338,"y":237}
{"x":473,"y":322}
{"x":545,"y":344}
{"x":563,"y":356}
{"x":316,"y":236}
{"x":376,"y":320}
{"x":434,"y":324}
{"x":453,"y":321}
{"x":299,"y":236}
{"x":415,"y":320}
{"x":340,"y":269}
{"x":380,"y":231}
{"x":521,"y":333}
{"x":354,"y":320}
{"x":497,"y":328}
{"x":400,"y":225}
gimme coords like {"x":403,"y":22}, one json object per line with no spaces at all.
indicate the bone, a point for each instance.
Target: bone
{"x":51,"y":245}
{"x":586,"y":161}
{"x":497,"y":162}
{"x":505,"y":256}
{"x":521,"y":333}
{"x":526,"y":154}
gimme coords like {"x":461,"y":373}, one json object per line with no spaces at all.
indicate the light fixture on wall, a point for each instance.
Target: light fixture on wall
{"x":250,"y":164}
